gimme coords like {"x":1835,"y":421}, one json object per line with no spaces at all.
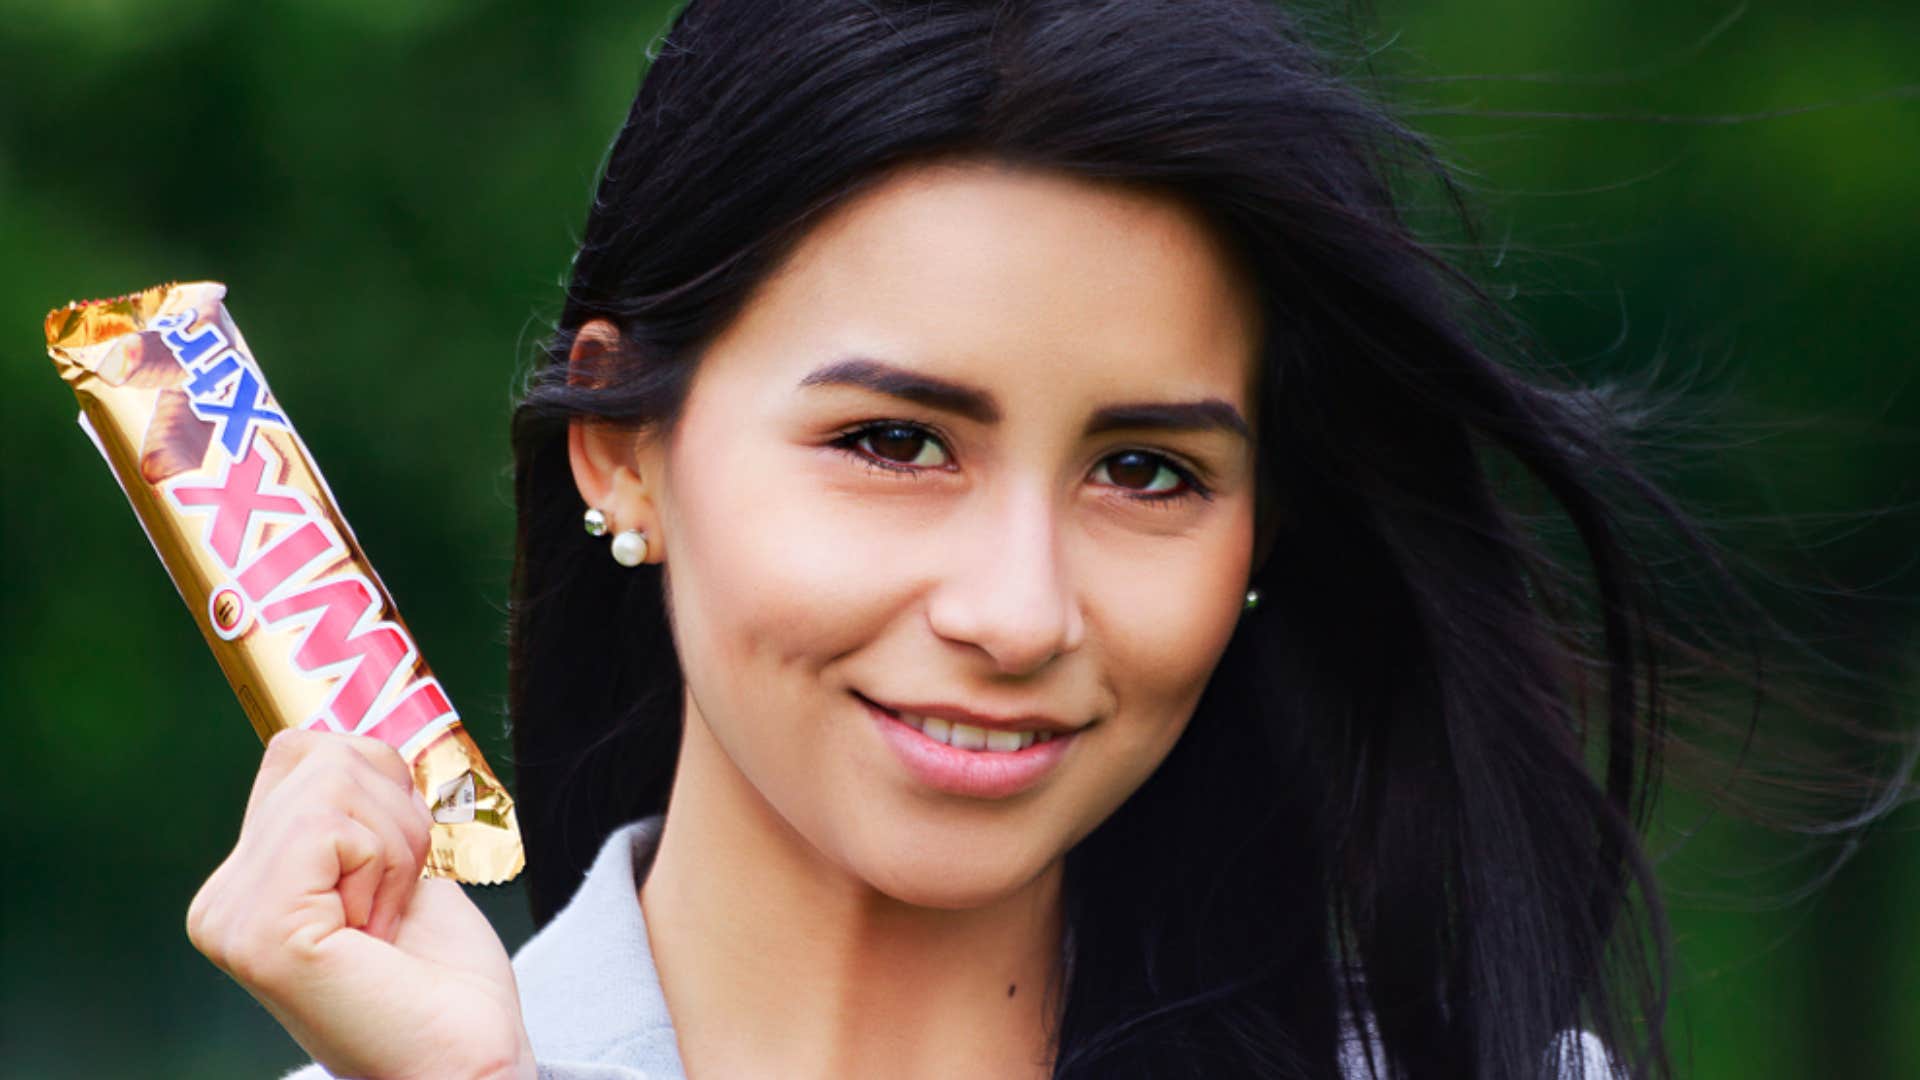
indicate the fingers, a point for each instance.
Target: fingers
{"x":321,"y":914}
{"x":298,"y":868}
{"x":360,"y":856}
{"x":355,"y":778}
{"x":399,"y":820}
{"x":334,"y":838}
{"x":288,"y":748}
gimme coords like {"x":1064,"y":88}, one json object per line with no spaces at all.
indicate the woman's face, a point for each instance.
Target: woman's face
{"x":984,"y":447}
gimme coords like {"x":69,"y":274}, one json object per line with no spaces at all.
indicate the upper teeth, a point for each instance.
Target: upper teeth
{"x":971,"y":737}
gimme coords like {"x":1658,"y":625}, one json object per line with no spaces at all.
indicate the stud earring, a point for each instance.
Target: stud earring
{"x":630,"y":548}
{"x":1253,"y":599}
{"x":596,"y":522}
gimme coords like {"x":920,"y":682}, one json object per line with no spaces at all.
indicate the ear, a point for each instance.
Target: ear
{"x":617,"y":470}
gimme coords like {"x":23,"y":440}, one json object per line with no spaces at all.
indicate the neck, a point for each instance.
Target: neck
{"x":775,"y":961}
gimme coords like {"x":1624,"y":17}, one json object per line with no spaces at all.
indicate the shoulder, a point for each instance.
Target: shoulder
{"x":589,"y":990}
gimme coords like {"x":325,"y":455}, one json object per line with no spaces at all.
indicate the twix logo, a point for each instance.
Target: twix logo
{"x":223,"y":388}
{"x":305,"y":580}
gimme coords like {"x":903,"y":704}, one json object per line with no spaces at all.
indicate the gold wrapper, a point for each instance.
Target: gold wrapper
{"x":243,"y":521}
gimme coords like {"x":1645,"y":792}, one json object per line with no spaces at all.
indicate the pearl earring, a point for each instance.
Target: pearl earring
{"x":596,"y":522}
{"x":1253,"y":599}
{"x":630,"y":548}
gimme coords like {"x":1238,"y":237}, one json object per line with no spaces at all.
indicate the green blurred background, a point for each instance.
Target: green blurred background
{"x":390,"y":190}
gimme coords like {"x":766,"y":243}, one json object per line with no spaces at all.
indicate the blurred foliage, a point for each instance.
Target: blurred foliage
{"x":1697,"y":195}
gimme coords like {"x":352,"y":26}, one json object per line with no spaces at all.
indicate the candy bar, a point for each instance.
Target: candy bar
{"x":243,"y":521}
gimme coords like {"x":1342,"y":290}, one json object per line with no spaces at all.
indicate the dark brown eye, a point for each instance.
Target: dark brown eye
{"x":1137,"y":471}
{"x":903,"y":444}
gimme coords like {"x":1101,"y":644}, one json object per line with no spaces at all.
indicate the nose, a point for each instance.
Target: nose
{"x":1010,"y":594}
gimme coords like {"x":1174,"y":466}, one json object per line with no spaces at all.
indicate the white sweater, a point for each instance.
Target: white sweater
{"x":591,"y":997}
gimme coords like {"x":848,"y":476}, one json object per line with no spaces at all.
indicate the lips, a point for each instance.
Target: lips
{"x":984,"y":772}
{"x":955,"y":714}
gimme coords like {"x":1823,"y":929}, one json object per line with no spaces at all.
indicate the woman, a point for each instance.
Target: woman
{"x":1010,"y":584}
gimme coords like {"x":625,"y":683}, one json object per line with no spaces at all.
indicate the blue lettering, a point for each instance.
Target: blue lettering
{"x":238,"y":418}
{"x":170,"y":322}
{"x":189,"y":350}
{"x":208,"y":380}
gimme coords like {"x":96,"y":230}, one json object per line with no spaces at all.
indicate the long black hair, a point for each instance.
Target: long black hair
{"x":1393,"y":811}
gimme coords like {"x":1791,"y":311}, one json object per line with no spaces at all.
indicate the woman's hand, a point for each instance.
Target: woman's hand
{"x":321,"y":913}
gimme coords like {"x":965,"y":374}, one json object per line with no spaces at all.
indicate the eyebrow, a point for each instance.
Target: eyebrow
{"x":1207,"y":414}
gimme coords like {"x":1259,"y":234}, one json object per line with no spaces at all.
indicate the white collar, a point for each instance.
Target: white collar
{"x":589,"y":992}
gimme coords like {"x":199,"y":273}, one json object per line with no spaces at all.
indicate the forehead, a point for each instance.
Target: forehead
{"x":1022,"y":280}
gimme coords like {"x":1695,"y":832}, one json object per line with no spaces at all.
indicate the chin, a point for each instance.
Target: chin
{"x":949,"y":894}
{"x":936,"y":878}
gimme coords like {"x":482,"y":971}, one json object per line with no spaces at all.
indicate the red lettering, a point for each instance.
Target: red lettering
{"x":284,"y":559}
{"x":375,"y":653}
{"x":235,"y":498}
{"x":424,"y":704}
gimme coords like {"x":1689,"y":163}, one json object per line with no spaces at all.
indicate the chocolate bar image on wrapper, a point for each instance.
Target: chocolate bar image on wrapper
{"x":245,"y":524}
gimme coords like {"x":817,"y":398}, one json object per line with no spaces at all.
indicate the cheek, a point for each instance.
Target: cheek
{"x":765,"y":574}
{"x":1163,"y":620}
{"x":1167,"y":621}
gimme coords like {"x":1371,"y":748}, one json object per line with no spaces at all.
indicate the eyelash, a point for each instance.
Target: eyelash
{"x":848,"y":443}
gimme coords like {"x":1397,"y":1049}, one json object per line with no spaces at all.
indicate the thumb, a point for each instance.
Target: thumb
{"x":442,"y":925}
